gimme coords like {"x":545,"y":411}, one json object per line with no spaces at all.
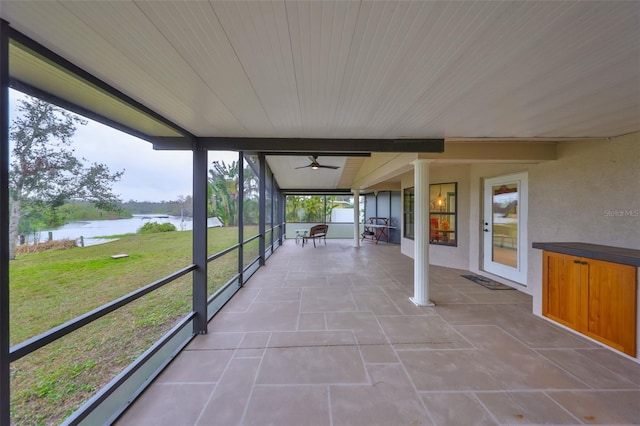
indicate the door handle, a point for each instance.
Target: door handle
{"x":485,"y":230}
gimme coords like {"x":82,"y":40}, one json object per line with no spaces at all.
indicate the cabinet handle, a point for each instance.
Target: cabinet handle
{"x":576,"y":261}
{"x":583,"y":263}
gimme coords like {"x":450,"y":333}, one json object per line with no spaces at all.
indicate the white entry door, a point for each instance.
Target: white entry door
{"x":505,"y":227}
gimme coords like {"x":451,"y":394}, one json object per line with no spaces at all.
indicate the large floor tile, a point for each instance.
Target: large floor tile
{"x":300,"y":281}
{"x":470,"y":314}
{"x":312,"y":321}
{"x":363,"y":324}
{"x":288,"y":406}
{"x":328,"y":336}
{"x":197,"y":366}
{"x":515,"y":365}
{"x":615,"y":363}
{"x":601,"y":407}
{"x":241,"y":301}
{"x":389,"y":400}
{"x":311,"y":338}
{"x":530,"y":408}
{"x":378,"y":353}
{"x":261,"y":316}
{"x":226,"y":405}
{"x":215,"y":341}
{"x":378,"y":303}
{"x":278,"y":294}
{"x":536,"y":333}
{"x":444,"y":295}
{"x":461,"y":409}
{"x":151,"y":408}
{"x":418,"y":332}
{"x":328,"y":299}
{"x":592,"y":373}
{"x":443,"y":370}
{"x":253,"y":344}
{"x":312,"y":365}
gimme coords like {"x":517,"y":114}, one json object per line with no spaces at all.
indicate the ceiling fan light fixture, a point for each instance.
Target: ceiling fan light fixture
{"x":314,"y":165}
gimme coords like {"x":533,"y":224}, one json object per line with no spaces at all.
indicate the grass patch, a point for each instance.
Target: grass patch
{"x":49,"y":288}
{"x":112,"y":237}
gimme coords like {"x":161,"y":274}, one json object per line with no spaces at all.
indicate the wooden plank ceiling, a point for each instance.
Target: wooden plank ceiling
{"x":358,"y":69}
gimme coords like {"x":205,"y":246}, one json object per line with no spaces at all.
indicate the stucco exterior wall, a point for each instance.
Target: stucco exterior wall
{"x":591,"y":194}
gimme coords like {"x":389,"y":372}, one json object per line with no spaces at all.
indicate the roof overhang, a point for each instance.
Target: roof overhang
{"x":336,"y":77}
{"x":40,"y":72}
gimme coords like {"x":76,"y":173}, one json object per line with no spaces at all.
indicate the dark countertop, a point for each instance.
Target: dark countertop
{"x":620,"y":255}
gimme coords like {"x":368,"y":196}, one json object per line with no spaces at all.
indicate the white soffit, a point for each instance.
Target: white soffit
{"x":42,"y":74}
{"x":353,"y":69}
{"x":290,"y":177}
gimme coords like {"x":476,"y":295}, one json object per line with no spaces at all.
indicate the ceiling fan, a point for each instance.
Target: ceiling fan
{"x":315,"y":165}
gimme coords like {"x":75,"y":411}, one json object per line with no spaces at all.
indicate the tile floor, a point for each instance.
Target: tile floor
{"x":328,"y":336}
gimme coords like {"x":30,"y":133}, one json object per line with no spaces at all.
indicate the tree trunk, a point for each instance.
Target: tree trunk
{"x":14,"y":218}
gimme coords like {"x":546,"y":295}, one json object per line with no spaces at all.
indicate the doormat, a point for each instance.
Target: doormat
{"x":487,"y":282}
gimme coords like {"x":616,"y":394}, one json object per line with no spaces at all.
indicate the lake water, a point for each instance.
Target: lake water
{"x":91,"y":229}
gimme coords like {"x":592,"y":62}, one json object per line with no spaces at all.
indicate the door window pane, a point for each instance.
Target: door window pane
{"x":504,"y":209}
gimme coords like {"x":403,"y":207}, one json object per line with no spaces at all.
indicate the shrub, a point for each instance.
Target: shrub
{"x":154,"y":228}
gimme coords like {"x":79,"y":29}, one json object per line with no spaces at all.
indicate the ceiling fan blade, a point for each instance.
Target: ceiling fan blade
{"x":304,"y":167}
{"x":328,"y":167}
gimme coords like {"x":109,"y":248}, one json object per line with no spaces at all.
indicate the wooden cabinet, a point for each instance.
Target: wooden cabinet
{"x":594,"y":297}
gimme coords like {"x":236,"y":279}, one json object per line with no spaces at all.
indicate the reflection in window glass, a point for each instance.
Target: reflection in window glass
{"x":409,"y":212}
{"x":442,"y":213}
{"x":505,"y":224}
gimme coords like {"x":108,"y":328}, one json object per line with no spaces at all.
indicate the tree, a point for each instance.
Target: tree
{"x":223,"y":192}
{"x":308,"y":208}
{"x":44,"y":172}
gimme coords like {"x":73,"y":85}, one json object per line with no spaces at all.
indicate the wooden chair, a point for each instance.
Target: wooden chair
{"x":316,"y":232}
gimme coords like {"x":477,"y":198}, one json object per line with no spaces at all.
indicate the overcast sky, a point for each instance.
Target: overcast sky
{"x":149,"y":175}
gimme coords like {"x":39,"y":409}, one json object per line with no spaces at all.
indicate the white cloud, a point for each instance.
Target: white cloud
{"x":149,"y":175}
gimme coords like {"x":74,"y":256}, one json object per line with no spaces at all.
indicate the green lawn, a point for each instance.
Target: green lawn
{"x":49,"y":288}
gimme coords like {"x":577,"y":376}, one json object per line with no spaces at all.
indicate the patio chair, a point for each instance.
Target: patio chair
{"x":316,"y":232}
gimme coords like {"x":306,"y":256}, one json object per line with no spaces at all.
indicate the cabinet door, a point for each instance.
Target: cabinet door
{"x":561,"y":289}
{"x":609,"y":304}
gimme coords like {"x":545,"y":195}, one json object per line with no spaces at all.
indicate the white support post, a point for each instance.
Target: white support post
{"x":356,"y":218}
{"x":421,"y":235}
